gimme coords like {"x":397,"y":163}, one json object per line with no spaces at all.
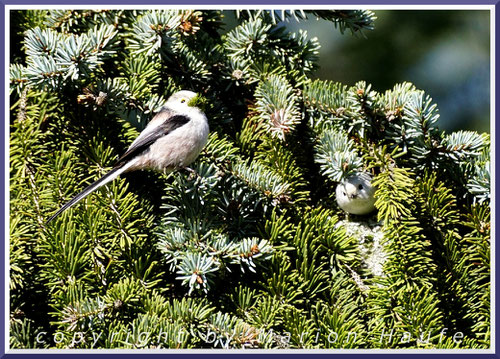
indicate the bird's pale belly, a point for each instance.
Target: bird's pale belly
{"x":175,"y":151}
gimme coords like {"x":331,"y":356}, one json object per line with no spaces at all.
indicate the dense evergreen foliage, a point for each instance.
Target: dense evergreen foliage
{"x":249,"y":250}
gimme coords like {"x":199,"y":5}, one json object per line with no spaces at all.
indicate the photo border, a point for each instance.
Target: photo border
{"x":5,"y":5}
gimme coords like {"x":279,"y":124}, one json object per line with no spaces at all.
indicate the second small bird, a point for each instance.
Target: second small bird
{"x":172,"y":139}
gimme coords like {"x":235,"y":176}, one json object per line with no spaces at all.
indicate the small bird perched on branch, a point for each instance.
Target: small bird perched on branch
{"x":355,"y":194}
{"x":172,"y":139}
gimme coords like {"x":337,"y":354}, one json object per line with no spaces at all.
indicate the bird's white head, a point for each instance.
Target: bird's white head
{"x":355,"y":194}
{"x":186,"y":101}
{"x":181,"y":99}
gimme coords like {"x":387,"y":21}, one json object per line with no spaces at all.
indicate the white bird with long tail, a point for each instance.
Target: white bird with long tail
{"x":172,"y":139}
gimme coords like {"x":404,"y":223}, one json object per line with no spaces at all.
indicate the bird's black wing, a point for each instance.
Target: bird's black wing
{"x":170,"y":124}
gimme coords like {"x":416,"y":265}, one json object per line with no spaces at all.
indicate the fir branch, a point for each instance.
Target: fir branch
{"x":326,"y":96}
{"x":354,"y":20}
{"x":267,"y":183}
{"x":276,"y":103}
{"x":336,"y":155}
{"x":155,"y":31}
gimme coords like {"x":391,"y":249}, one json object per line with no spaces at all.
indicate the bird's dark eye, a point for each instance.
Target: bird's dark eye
{"x":360,"y":186}
{"x":344,"y":193}
{"x":183,"y":100}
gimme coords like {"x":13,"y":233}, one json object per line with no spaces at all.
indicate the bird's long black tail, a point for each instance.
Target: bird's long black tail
{"x":108,"y":177}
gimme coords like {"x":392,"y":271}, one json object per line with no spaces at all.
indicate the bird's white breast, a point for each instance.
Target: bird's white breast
{"x":180,"y":147}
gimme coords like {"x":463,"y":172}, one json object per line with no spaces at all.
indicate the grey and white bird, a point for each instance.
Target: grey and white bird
{"x":355,"y":194}
{"x":173,"y":139}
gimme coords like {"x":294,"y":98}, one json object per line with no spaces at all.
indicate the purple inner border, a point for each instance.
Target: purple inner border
{"x":4,"y":316}
{"x":247,"y":2}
